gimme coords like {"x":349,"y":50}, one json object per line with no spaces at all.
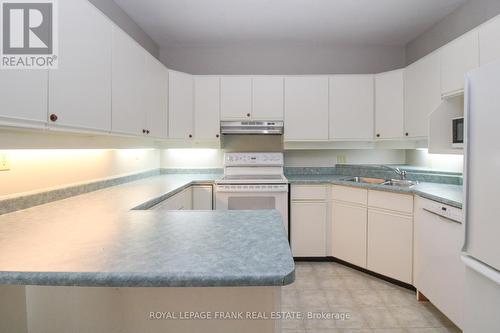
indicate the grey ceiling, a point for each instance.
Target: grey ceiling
{"x":374,"y":22}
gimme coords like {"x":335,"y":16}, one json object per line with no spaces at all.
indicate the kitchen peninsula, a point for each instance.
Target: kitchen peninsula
{"x":93,"y":262}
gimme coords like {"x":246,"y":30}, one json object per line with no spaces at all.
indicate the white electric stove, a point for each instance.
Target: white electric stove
{"x":253,"y":181}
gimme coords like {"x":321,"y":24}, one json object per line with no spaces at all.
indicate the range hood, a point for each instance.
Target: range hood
{"x":251,"y":127}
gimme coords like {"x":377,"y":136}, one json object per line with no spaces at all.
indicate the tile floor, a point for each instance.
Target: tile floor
{"x":374,"y":305}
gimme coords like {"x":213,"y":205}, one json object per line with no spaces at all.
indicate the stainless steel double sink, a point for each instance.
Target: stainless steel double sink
{"x":381,"y":181}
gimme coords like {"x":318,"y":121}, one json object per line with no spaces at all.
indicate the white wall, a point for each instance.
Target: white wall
{"x":327,"y":158}
{"x":283,"y":59}
{"x":121,"y":19}
{"x":192,"y":158}
{"x":41,"y":169}
{"x":422,"y":158}
{"x":465,"y":18}
{"x":214,"y":158}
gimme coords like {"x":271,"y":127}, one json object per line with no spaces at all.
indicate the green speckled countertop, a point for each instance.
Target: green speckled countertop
{"x":96,"y":239}
{"x":448,"y":194}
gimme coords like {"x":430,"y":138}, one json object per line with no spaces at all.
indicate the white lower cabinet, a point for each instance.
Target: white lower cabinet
{"x":197,"y":197}
{"x":308,"y":230}
{"x":390,"y":235}
{"x":309,"y":211}
{"x":202,"y":197}
{"x":179,"y":201}
{"x":373,"y":230}
{"x":390,"y":244}
{"x":349,"y":224}
{"x":349,"y":233}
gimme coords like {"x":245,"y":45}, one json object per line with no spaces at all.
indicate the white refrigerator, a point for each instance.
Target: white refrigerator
{"x":481,"y":251}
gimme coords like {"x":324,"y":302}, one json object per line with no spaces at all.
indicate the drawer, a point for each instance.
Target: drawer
{"x":349,"y":194}
{"x":309,"y":192}
{"x":391,"y":201}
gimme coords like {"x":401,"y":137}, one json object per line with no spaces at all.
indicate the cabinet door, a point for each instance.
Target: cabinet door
{"x":156,"y":97}
{"x":308,"y":229}
{"x":185,"y":199}
{"x":349,"y":233}
{"x":390,"y":245}
{"x":457,"y":58}
{"x":489,"y":47}
{"x":351,"y":107}
{"x":23,"y":98}
{"x":179,"y":201}
{"x":267,"y":97}
{"x":128,"y":71}
{"x":306,"y":108}
{"x":389,"y":105}
{"x":181,"y":109}
{"x":80,"y":89}
{"x":422,"y":94}
{"x":202,"y":198}
{"x":206,"y":107}
{"x":236,"y":97}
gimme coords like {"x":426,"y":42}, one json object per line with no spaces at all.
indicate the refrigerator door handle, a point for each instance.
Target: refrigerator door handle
{"x":466,"y":163}
{"x":481,"y":268}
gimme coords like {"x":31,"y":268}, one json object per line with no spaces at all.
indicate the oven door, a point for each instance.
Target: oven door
{"x":252,"y":197}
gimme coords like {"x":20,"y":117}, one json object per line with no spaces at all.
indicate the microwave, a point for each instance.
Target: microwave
{"x":457,"y":126}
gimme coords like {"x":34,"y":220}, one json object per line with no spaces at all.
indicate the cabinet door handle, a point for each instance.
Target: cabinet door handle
{"x":143,"y":131}
{"x":248,"y":114}
{"x":53,"y":117}
{"x":407,"y":134}
{"x":190,"y":135}
{"x":216,"y":135}
{"x":147,"y":131}
{"x":378,"y":135}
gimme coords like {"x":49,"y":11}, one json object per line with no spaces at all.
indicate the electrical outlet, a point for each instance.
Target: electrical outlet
{"x":341,"y":159}
{"x":4,"y":162}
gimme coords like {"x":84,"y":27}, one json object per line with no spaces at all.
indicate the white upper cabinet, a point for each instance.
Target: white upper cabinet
{"x":457,"y":58}
{"x":267,"y":98}
{"x":23,"y":98}
{"x":306,"y":108}
{"x":156,"y":97}
{"x":80,"y":89}
{"x":351,"y":107}
{"x":236,"y":97}
{"x":206,"y":107}
{"x":422,"y":94}
{"x":128,"y":72}
{"x":181,"y":106}
{"x":389,"y":105}
{"x":489,"y":35}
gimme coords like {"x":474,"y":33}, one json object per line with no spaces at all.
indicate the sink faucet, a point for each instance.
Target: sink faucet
{"x":397,"y":171}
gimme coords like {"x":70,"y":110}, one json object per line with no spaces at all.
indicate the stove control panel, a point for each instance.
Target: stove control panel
{"x":253,"y":159}
{"x":251,"y":188}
